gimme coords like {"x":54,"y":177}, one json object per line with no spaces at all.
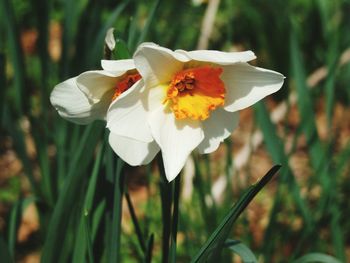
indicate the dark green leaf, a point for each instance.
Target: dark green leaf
{"x":317,"y":257}
{"x":242,"y":250}
{"x":212,"y":248}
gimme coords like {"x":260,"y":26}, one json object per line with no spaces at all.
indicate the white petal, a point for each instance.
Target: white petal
{"x":246,"y":85}
{"x":132,"y":151}
{"x":127,"y":115}
{"x":177,"y":139}
{"x":218,"y":57}
{"x":96,"y":83}
{"x":216,"y":129}
{"x":109,"y":39}
{"x":72,"y":104}
{"x":118,"y":67}
{"x":157,"y":65}
{"x":155,"y":97}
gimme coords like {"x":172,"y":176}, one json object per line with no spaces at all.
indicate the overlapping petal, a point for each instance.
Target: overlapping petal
{"x":72,"y":104}
{"x":218,"y":57}
{"x":96,"y":83}
{"x":216,"y":129}
{"x":246,"y":85}
{"x":176,"y":139}
{"x":132,"y":151}
{"x":127,"y":115}
{"x":157,"y":64}
{"x":118,"y":67}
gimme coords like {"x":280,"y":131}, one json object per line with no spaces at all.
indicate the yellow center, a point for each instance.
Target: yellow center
{"x":125,"y":83}
{"x":194,"y":92}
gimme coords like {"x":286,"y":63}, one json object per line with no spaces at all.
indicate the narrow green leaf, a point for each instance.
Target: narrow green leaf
{"x":14,"y":222}
{"x":148,"y":257}
{"x":242,"y":250}
{"x":5,"y":254}
{"x":15,"y":52}
{"x":88,"y":237}
{"x":149,"y":21}
{"x":212,"y":248}
{"x":113,"y":246}
{"x":71,"y":188}
{"x":99,"y":42}
{"x":317,"y":257}
{"x":135,"y":222}
{"x":18,"y":137}
{"x":2,"y":80}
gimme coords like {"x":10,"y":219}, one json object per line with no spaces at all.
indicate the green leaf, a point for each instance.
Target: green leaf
{"x":135,"y":222}
{"x":15,"y":52}
{"x":4,"y":252}
{"x":99,"y":43}
{"x":113,"y":245}
{"x":121,"y":50}
{"x":15,"y":219}
{"x":317,"y":257}
{"x":70,"y":191}
{"x":212,"y":248}
{"x":148,"y":257}
{"x":242,"y":250}
{"x":149,"y":21}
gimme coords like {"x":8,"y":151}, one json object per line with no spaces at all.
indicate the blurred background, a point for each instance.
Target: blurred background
{"x":305,"y":127}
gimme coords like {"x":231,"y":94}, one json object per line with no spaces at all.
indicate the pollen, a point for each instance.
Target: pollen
{"x":124,"y":84}
{"x":194,"y":92}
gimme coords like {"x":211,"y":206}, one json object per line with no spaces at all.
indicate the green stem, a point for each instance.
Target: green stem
{"x":166,"y":195}
{"x":135,"y":222}
{"x":175,"y":219}
{"x":114,"y":251}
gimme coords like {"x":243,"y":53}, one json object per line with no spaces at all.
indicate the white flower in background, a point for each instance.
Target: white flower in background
{"x":87,"y":97}
{"x":187,"y":101}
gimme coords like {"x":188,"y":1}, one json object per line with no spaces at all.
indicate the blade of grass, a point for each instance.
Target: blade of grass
{"x":71,"y":188}
{"x":14,"y":222}
{"x":317,"y":257}
{"x":87,"y":234}
{"x":2,"y":74}
{"x":135,"y":222}
{"x":83,"y":240}
{"x":149,"y":21}
{"x":99,"y":41}
{"x":19,"y":145}
{"x":69,"y":24}
{"x":16,"y":53}
{"x":207,"y":212}
{"x":212,"y":248}
{"x":5,"y":254}
{"x":113,"y":246}
{"x":242,"y":250}
{"x":276,"y":149}
{"x":148,"y":258}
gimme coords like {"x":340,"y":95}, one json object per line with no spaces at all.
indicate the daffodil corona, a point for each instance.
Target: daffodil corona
{"x":185,"y":101}
{"x":194,"y":92}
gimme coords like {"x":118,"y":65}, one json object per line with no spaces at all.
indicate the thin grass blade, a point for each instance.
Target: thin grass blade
{"x":212,"y":248}
{"x":242,"y":250}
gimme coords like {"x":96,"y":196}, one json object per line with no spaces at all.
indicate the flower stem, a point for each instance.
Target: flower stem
{"x":175,"y":220}
{"x":170,"y":193}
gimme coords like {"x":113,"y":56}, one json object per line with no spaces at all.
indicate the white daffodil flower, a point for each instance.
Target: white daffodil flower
{"x":87,"y":97}
{"x":189,"y":101}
